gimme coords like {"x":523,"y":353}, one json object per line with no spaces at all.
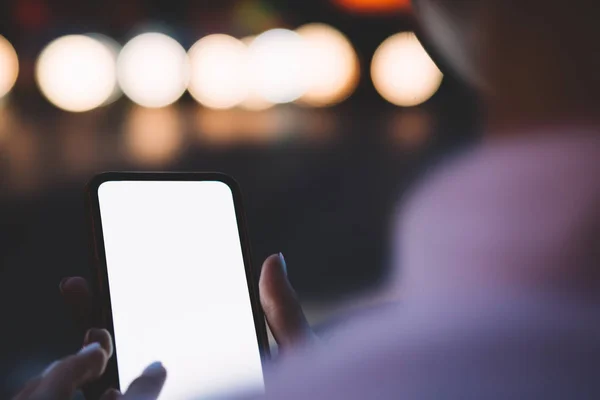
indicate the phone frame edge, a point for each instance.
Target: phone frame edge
{"x":102,"y":310}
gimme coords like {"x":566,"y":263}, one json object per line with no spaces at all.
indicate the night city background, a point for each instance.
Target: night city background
{"x":328,"y":110}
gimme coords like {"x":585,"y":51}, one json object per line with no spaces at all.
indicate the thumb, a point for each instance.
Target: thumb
{"x":281,"y":306}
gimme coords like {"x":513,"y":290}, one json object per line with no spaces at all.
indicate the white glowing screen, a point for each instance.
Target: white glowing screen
{"x":178,"y":286}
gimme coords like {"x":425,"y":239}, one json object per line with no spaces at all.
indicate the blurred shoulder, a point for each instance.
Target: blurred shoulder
{"x":521,"y":349}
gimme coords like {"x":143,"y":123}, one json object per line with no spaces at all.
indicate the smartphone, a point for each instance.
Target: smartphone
{"x":175,"y":284}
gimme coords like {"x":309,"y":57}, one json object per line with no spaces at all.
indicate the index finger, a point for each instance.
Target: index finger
{"x":62,"y":379}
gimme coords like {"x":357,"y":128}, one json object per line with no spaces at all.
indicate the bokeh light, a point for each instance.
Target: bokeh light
{"x":76,"y":73}
{"x":247,"y":40}
{"x":23,"y":154}
{"x":276,"y":66}
{"x":402,"y":71}
{"x":153,"y":136}
{"x":219,"y":75}
{"x":411,"y":128}
{"x":8,"y":124}
{"x":9,"y":66}
{"x":80,"y":143}
{"x":238,"y":127}
{"x":153,"y":70}
{"x":253,"y":101}
{"x":114,"y":48}
{"x":332,"y":65}
{"x":374,"y":6}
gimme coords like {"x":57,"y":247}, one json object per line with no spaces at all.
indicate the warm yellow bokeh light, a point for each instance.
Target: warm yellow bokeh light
{"x":411,"y":128}
{"x":256,"y":103}
{"x":114,"y":48}
{"x":153,"y":70}
{"x":247,"y":40}
{"x":76,"y":73}
{"x":153,"y":136}
{"x":253,"y":101}
{"x":402,"y":71}
{"x":237,"y":127}
{"x":8,"y":124}
{"x":332,"y":65}
{"x":374,"y":6}
{"x":219,"y":71}
{"x":276,"y":66}
{"x":9,"y":66}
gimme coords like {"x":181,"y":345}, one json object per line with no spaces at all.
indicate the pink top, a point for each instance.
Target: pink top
{"x":515,"y":212}
{"x":499,"y":256}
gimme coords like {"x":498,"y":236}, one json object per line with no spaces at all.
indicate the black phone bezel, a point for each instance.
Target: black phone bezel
{"x":102,"y":307}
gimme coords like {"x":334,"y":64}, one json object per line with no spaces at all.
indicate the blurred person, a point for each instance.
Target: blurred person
{"x":497,"y":283}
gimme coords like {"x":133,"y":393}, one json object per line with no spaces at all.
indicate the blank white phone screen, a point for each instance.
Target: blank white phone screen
{"x":178,"y":287}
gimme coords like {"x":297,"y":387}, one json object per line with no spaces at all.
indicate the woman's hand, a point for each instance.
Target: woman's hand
{"x":279,"y":301}
{"x":62,"y":378}
{"x":281,"y":306}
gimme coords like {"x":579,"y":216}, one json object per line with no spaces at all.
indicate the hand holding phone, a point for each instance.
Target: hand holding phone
{"x":278,"y":299}
{"x":281,"y":308}
{"x":63,"y":377}
{"x":174,"y":275}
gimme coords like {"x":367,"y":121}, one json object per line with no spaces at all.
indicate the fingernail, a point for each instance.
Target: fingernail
{"x":283,"y":264}
{"x":90,"y":348}
{"x":92,"y":335}
{"x":50,"y":367}
{"x":63,"y":281}
{"x":156,"y":368}
{"x":87,"y":337}
{"x":112,"y":393}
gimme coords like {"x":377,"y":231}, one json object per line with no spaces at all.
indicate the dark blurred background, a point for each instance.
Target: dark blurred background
{"x":320,"y":180}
